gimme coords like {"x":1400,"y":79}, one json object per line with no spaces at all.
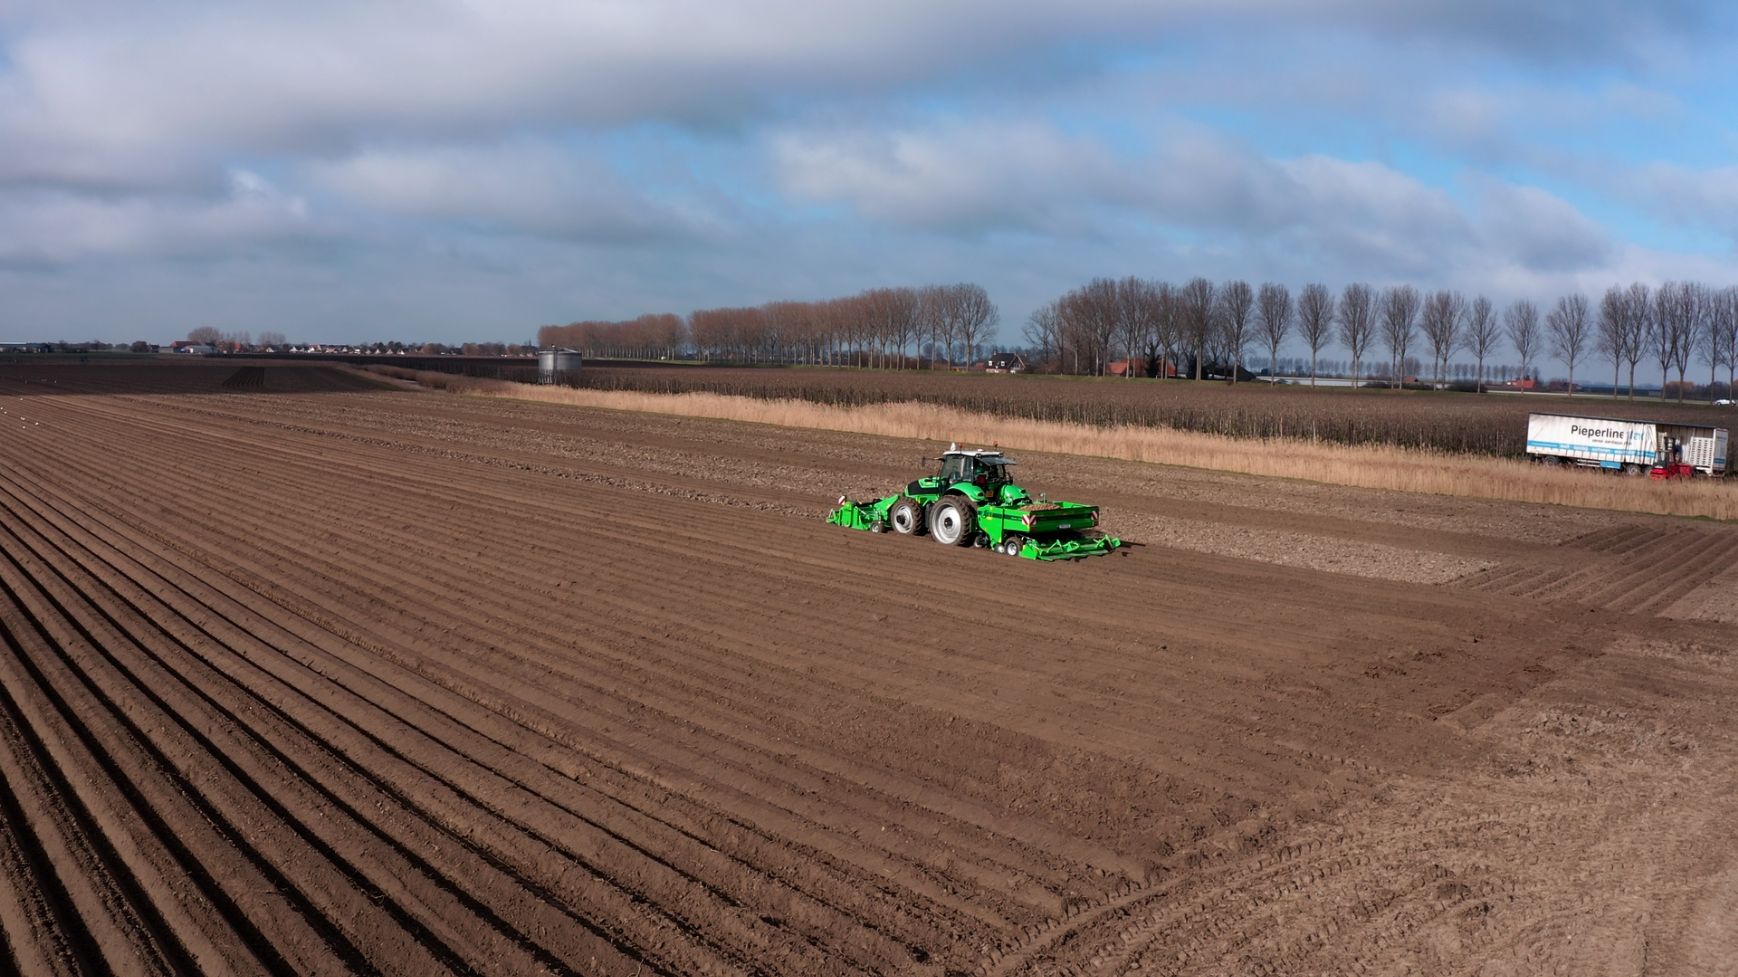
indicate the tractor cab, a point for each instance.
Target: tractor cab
{"x":986,"y":470}
{"x":982,"y":475}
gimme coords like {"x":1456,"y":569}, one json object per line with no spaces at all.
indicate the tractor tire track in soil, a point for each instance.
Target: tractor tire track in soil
{"x":303,"y":676}
{"x":1638,"y":569}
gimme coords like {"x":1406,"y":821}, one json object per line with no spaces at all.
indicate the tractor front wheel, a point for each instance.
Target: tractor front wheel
{"x":906,"y":517}
{"x":953,"y":522}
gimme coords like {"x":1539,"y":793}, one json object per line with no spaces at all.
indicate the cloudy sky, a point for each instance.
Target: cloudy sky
{"x":469,"y":170}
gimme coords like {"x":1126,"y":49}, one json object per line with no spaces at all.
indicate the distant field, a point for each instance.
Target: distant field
{"x":1460,"y":422}
{"x":1377,"y":465}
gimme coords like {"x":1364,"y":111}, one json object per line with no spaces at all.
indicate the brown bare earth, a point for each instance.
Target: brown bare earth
{"x":300,"y":675}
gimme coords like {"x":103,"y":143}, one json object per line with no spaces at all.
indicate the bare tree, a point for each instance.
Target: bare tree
{"x":1693,"y":310}
{"x":1137,"y":317}
{"x":1677,"y":312}
{"x":1482,"y":333}
{"x":1315,"y":320}
{"x":1167,"y":326}
{"x":1236,"y":300}
{"x":1728,"y":337}
{"x":1442,"y":318}
{"x":1612,"y":337}
{"x":935,"y":328}
{"x":204,"y":336}
{"x":1659,"y":334}
{"x":1089,"y":317}
{"x":1570,"y":325}
{"x":786,"y":323}
{"x":1399,"y":313}
{"x":1709,"y":339}
{"x":1641,"y":329}
{"x":1197,"y":314}
{"x":1043,"y":331}
{"x":903,"y":313}
{"x":975,"y":316}
{"x":1521,"y":322}
{"x":1663,"y":336}
{"x":1273,"y":318}
{"x":846,"y":324}
{"x":1357,"y":323}
{"x":899,"y":316}
{"x":271,"y":338}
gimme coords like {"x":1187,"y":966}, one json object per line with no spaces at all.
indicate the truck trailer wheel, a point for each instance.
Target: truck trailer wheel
{"x":953,"y":522}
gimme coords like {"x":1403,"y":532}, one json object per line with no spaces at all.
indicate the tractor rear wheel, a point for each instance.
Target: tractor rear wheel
{"x":906,"y":516}
{"x":953,"y":521}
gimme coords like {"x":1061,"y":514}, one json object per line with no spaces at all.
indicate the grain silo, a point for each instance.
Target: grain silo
{"x":558,"y":365}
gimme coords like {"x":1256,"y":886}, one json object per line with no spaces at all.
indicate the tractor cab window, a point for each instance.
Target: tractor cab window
{"x":969,"y":468}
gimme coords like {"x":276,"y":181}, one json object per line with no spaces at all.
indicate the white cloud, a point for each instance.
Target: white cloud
{"x":1538,"y":230}
{"x":1535,"y":125}
{"x":956,"y":175}
{"x":530,"y":188}
{"x":1218,"y":202}
{"x":51,"y":226}
{"x":950,"y":176}
{"x":150,"y":89}
{"x":1703,"y":198}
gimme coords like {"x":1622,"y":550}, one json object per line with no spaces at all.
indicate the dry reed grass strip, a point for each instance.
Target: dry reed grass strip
{"x":1362,"y":466}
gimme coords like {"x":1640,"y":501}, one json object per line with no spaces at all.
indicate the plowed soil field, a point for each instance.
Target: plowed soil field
{"x":301,"y":676}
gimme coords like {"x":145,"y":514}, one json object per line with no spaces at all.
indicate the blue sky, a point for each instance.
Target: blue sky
{"x":467,"y":170}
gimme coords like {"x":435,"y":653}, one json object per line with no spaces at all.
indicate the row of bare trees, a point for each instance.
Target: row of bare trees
{"x":1155,"y":327}
{"x":1160,"y":324}
{"x":1137,"y":320}
{"x":649,"y":336}
{"x":1673,"y":325}
{"x":233,"y":341}
{"x":881,"y":327}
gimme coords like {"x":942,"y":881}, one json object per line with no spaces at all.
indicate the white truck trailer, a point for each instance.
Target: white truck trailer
{"x":1636,"y":447}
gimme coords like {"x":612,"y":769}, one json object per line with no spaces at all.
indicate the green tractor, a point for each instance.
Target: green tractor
{"x":973,"y":501}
